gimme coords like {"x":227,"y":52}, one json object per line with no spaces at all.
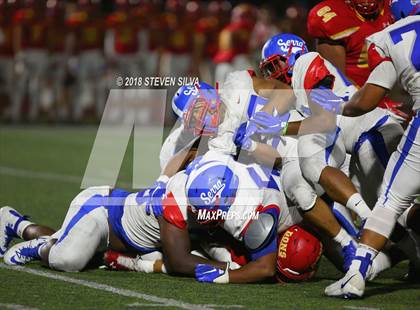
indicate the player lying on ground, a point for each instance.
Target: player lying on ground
{"x":394,"y":55}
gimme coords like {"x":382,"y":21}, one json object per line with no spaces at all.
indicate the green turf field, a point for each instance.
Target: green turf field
{"x":40,"y":172}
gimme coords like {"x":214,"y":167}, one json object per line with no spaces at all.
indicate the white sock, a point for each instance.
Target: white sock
{"x":21,"y":227}
{"x":363,"y":259}
{"x":381,"y":262}
{"x":358,"y":205}
{"x":343,"y":238}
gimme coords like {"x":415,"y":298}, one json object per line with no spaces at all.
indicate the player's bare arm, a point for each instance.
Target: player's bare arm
{"x":365,"y":100}
{"x":177,"y":251}
{"x":280,"y":95}
{"x":333,"y":51}
{"x":256,"y":271}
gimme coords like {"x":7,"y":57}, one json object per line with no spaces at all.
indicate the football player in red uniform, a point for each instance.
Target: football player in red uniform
{"x":30,"y":35}
{"x":88,"y":31}
{"x":205,"y":39}
{"x":6,"y":49}
{"x":122,"y":41}
{"x":234,"y":42}
{"x":57,"y":35}
{"x":341,"y":28}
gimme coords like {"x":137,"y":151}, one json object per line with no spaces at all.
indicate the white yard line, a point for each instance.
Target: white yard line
{"x":16,"y":307}
{"x":140,"y":305}
{"x":360,"y":308}
{"x":165,"y":302}
{"x":43,"y":175}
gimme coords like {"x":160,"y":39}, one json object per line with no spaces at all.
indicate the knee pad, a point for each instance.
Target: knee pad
{"x":382,"y":220}
{"x":305,"y":197}
{"x":312,"y":168}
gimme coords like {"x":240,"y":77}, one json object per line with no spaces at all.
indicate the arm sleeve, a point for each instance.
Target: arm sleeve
{"x":383,"y":75}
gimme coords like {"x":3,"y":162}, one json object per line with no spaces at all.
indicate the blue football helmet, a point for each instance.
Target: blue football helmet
{"x":211,"y":186}
{"x":403,"y":8}
{"x":183,"y":96}
{"x":279,"y":55}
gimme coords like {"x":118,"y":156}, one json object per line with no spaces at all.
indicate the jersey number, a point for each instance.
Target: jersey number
{"x":396,"y":36}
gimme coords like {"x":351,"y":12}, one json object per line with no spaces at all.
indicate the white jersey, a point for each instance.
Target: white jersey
{"x":236,"y":94}
{"x":241,"y":102}
{"x":256,"y":190}
{"x":399,"y":47}
{"x":308,"y":70}
{"x":128,"y":218}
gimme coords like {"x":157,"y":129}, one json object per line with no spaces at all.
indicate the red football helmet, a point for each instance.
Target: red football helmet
{"x":298,"y":255}
{"x":367,"y":7}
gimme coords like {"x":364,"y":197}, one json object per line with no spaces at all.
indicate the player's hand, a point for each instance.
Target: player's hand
{"x":156,"y":194}
{"x":326,"y":99}
{"x":211,"y":274}
{"x":118,"y":261}
{"x":243,"y":136}
{"x":269,"y":124}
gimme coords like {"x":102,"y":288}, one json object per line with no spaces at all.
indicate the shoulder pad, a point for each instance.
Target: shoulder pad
{"x":316,"y":72}
{"x":259,"y":231}
{"x":171,"y":212}
{"x":375,"y":56}
{"x":319,"y":19}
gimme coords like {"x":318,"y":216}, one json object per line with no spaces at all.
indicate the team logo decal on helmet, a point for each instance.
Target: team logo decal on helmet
{"x":211,"y":188}
{"x":279,"y":55}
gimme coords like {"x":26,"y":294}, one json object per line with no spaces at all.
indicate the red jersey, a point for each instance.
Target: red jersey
{"x":337,"y":21}
{"x":33,"y":29}
{"x":209,"y":28}
{"x":90,"y":32}
{"x":179,"y":37}
{"x":125,"y":33}
{"x":233,"y":41}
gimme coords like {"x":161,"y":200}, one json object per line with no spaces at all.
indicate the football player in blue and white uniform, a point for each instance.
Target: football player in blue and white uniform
{"x":217,"y":189}
{"x":322,"y":150}
{"x":97,"y":218}
{"x":394,"y":56}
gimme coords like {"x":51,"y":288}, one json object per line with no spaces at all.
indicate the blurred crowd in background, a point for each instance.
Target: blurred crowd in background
{"x":59,"y":59}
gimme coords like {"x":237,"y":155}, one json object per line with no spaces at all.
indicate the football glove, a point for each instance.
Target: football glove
{"x":269,"y":124}
{"x":118,"y":261}
{"x":243,"y":135}
{"x":211,"y":274}
{"x":326,"y":99}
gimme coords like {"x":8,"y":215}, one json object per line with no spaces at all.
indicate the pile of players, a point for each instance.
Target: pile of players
{"x":258,"y":172}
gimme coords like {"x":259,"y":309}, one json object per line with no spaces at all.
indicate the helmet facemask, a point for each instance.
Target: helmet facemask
{"x":203,"y":114}
{"x":367,"y":8}
{"x":276,"y":67}
{"x":280,"y":67}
